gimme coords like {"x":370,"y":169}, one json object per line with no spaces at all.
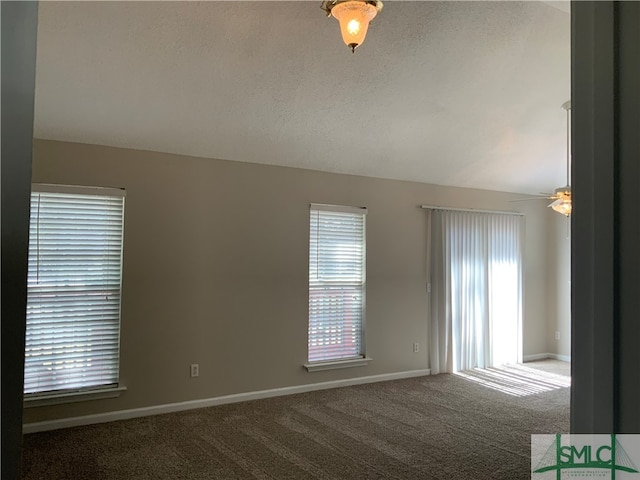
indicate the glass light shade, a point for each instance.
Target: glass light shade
{"x":562,"y":205}
{"x":354,"y":17}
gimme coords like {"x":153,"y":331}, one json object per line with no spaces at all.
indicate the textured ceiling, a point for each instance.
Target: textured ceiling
{"x":452,"y":93}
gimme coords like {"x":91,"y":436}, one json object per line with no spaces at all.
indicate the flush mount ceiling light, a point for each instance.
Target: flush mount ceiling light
{"x":354,"y":17}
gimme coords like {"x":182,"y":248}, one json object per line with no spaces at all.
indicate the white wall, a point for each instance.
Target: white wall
{"x":216,"y":270}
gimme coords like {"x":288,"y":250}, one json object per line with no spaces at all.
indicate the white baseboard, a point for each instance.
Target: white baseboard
{"x":545,"y":356}
{"x":535,"y":356}
{"x":210,"y":402}
{"x":563,"y":358}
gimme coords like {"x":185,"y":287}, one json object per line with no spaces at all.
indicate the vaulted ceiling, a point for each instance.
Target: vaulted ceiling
{"x":452,"y":93}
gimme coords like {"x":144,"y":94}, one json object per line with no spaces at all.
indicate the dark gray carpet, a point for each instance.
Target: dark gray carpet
{"x":440,"y":427}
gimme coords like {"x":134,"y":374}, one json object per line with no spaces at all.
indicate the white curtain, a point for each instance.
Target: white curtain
{"x":475,"y":263}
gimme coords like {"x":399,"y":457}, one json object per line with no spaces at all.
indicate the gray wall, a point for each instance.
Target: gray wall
{"x":216,"y":270}
{"x":605,"y":258}
{"x":559,"y":285}
{"x":19,"y":25}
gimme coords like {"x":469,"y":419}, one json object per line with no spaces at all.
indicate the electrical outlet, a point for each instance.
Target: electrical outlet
{"x":195,"y":370}
{"x":416,"y":347}
{"x":557,"y":335}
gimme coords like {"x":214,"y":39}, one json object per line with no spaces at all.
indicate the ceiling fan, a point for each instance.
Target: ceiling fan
{"x":561,"y":196}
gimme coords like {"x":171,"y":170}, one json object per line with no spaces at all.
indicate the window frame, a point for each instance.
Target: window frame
{"x":352,"y":361}
{"x":90,"y":392}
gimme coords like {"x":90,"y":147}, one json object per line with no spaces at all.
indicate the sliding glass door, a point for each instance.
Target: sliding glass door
{"x":476,"y":289}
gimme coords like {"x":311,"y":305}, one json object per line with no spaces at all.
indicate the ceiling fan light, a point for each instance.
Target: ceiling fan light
{"x":563,"y":194}
{"x":354,"y":17}
{"x":562,"y":205}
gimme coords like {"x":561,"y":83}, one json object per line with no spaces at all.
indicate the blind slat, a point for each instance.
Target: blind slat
{"x":74,"y":284}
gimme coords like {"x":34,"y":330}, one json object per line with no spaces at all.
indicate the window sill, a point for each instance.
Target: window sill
{"x":355,"y":362}
{"x":70,"y":397}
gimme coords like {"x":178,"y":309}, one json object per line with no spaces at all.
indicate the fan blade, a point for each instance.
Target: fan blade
{"x":528,"y":198}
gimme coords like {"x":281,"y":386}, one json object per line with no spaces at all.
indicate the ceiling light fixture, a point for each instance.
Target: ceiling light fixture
{"x":354,"y":17}
{"x":563,"y":194}
{"x":563,"y":203}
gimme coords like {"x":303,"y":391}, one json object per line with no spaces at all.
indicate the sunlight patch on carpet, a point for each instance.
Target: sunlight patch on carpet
{"x":516,"y":380}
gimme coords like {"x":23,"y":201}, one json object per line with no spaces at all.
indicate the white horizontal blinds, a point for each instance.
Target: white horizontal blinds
{"x":336,"y":282}
{"x":74,"y":280}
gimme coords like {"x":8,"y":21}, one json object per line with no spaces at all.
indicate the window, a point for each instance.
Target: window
{"x":336,"y":283}
{"x":73,"y":289}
